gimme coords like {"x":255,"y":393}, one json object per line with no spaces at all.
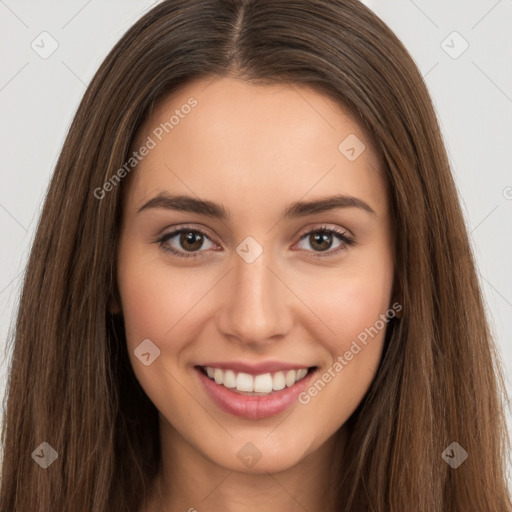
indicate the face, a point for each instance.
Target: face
{"x":248,"y":280}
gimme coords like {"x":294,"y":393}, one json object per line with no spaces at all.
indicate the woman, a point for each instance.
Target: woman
{"x":251,"y":286}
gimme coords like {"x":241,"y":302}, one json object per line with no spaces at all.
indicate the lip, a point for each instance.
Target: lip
{"x":254,"y":407}
{"x":255,"y":368}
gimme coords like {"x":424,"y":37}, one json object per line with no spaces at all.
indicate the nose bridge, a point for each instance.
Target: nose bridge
{"x":254,"y":309}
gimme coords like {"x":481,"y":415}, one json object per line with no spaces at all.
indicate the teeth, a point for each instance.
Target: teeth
{"x":229,"y":379}
{"x":301,"y":373}
{"x":263,"y":383}
{"x":218,"y":375}
{"x":244,"y":382}
{"x":290,"y":378}
{"x":278,"y":381}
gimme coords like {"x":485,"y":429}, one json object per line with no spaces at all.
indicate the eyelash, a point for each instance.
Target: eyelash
{"x":346,"y":239}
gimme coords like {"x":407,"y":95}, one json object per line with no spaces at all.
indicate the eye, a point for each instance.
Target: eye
{"x":190,"y":240}
{"x":321,"y":240}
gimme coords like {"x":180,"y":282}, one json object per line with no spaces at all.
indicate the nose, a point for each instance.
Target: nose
{"x":255,"y":306}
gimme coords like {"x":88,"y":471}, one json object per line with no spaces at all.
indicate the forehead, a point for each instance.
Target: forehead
{"x":244,"y":144}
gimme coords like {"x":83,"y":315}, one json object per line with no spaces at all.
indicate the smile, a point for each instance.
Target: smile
{"x":254,"y":396}
{"x":262,"y":384}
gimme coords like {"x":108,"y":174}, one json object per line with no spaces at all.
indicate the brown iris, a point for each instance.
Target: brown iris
{"x":191,"y":237}
{"x":321,"y":240}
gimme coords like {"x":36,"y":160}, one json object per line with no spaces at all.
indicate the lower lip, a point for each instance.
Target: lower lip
{"x":253,"y":407}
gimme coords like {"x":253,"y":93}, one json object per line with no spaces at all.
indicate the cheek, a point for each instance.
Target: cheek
{"x":142,"y":300}
{"x":155,"y":302}
{"x":154,"y":298}
{"x":350,"y":302}
{"x":354,"y":304}
{"x":356,"y":307}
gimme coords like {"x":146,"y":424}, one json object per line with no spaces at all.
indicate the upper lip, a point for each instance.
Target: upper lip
{"x":255,"y":368}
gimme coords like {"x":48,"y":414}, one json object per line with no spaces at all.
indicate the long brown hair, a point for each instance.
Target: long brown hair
{"x":71,"y":383}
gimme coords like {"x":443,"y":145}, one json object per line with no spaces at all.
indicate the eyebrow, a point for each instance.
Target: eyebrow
{"x":185,"y":203}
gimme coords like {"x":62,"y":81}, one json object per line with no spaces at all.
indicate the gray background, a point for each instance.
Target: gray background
{"x":471,"y":90}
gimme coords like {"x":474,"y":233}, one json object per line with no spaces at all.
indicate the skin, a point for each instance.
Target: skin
{"x":254,"y":149}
